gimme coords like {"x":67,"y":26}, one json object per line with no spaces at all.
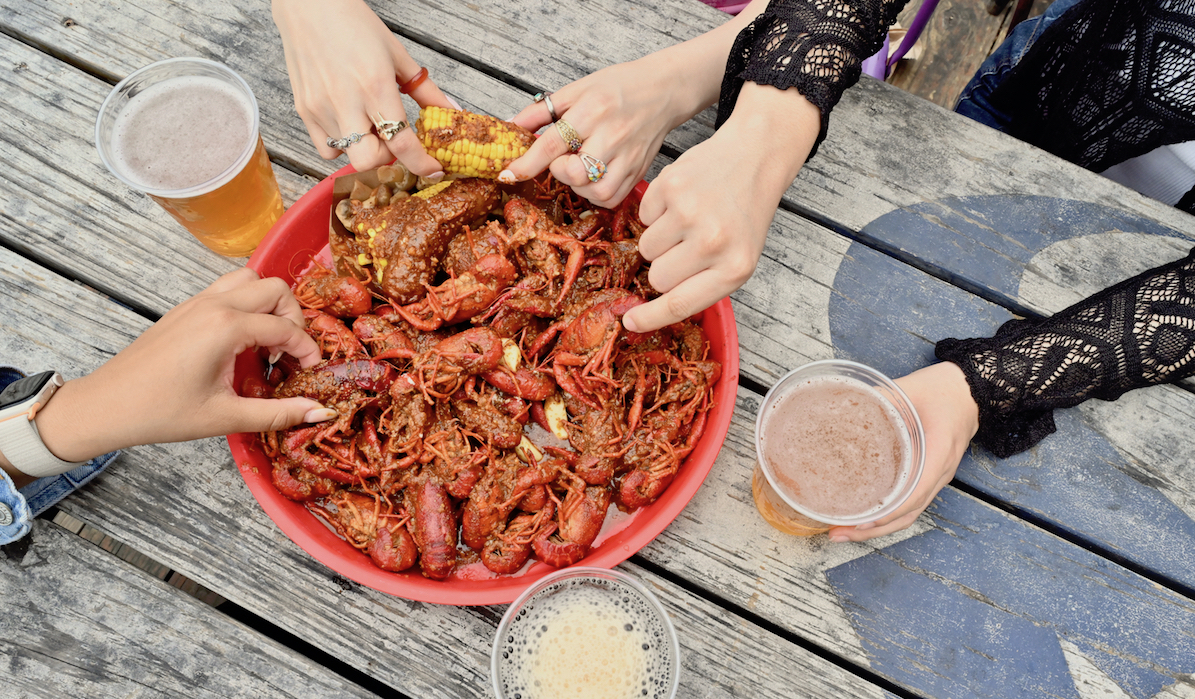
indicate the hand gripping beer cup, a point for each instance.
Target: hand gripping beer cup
{"x":838,"y":444}
{"x":586,"y":633}
{"x":185,"y":132}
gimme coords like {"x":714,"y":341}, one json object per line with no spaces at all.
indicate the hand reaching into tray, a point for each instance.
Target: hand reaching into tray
{"x":708,"y":213}
{"x":174,"y":382}
{"x":343,"y":63}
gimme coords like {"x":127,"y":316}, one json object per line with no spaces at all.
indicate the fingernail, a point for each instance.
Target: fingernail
{"x":839,"y":539}
{"x":436,"y":176}
{"x":453,"y":102}
{"x":507,"y":177}
{"x":864,"y":527}
{"x":275,"y":357}
{"x":629,"y":324}
{"x":319,"y":415}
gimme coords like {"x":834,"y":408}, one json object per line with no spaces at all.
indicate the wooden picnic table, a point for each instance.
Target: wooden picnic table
{"x":1067,"y":571}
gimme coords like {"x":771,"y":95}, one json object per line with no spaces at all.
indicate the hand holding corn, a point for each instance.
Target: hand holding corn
{"x":471,"y":145}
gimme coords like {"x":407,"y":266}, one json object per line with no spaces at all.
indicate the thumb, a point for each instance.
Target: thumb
{"x":273,"y":414}
{"x":546,"y":148}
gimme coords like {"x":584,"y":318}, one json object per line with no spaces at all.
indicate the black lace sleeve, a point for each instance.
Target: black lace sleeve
{"x":816,"y":46}
{"x":1137,"y":333}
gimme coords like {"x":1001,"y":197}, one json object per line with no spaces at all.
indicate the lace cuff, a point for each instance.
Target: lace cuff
{"x":816,"y":46}
{"x":1137,"y":333}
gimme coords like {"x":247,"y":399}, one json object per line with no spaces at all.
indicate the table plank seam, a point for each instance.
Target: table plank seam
{"x":711,"y":596}
{"x":1089,"y":545}
{"x":72,"y":61}
{"x":110,"y":545}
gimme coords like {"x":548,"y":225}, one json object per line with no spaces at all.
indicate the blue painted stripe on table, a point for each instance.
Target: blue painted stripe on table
{"x":977,"y":608}
{"x":988,"y":240}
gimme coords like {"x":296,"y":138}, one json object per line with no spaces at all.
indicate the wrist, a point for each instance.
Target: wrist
{"x":782,"y":125}
{"x":67,"y":424}
{"x":953,"y":383}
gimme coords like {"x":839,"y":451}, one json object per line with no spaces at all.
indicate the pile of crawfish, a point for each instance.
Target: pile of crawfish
{"x":449,"y":328}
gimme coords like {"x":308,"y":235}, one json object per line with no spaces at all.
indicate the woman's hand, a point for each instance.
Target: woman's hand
{"x":950,"y":419}
{"x":708,"y":213}
{"x":175,"y":382}
{"x":343,"y":63}
{"x":623,"y":112}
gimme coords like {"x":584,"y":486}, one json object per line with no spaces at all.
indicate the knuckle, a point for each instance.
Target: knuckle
{"x":678,"y":307}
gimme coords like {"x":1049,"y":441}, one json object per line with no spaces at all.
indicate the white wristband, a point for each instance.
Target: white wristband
{"x":21,"y":443}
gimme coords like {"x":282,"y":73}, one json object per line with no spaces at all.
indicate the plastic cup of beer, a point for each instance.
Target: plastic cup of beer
{"x":838,"y":444}
{"x":586,"y":633}
{"x":185,"y":132}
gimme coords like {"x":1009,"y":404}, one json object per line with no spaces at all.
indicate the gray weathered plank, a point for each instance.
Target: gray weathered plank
{"x":80,"y":623}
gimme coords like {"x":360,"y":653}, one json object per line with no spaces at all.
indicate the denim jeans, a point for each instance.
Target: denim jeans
{"x":19,"y":507}
{"x":974,"y":100}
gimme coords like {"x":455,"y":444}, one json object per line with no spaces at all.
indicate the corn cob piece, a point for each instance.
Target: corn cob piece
{"x":429,"y":192}
{"x":471,"y":145}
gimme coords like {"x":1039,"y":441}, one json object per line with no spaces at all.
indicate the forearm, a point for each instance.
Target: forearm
{"x":1134,"y":334}
{"x":691,"y":71}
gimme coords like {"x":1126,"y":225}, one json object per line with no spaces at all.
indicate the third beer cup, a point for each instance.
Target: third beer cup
{"x":185,"y":132}
{"x":838,"y":443}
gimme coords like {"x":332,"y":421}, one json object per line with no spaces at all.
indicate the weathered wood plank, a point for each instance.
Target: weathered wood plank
{"x":80,"y":623}
{"x":186,"y":506}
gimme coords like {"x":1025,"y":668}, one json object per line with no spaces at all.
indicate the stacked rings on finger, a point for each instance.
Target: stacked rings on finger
{"x":569,"y":135}
{"x":595,"y":169}
{"x":546,"y":98}
{"x":343,"y":143}
{"x":387,"y":129}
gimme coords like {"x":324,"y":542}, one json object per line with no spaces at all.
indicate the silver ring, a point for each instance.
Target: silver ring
{"x":546,"y":98}
{"x":343,"y":143}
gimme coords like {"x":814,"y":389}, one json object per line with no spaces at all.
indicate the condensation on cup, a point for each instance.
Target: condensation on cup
{"x":838,"y":444}
{"x":185,"y":132}
{"x":586,"y":633}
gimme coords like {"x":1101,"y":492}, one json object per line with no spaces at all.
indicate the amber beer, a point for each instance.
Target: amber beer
{"x":838,"y":444}
{"x":185,"y":132}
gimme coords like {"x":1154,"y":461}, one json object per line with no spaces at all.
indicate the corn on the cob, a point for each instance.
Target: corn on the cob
{"x":429,"y":192}
{"x":471,"y":145}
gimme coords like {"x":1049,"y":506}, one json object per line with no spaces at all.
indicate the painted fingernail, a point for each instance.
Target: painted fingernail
{"x":507,"y":177}
{"x":275,"y":357}
{"x":453,"y":102}
{"x":839,"y":539}
{"x":319,"y":415}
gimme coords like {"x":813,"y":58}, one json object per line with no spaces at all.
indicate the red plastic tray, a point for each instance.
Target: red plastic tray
{"x":302,"y":233}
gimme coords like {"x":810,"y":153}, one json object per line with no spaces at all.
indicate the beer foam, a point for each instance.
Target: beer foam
{"x":181,"y":132}
{"x":836,"y":447}
{"x":586,"y":638}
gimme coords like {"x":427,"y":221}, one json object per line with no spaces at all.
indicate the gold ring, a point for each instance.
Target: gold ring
{"x":387,"y":129}
{"x":569,"y":135}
